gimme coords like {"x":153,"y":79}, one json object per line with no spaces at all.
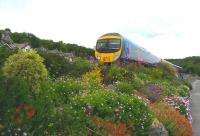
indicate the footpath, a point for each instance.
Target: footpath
{"x":195,"y":106}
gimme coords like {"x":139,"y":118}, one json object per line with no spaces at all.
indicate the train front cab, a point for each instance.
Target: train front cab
{"x":108,"y":48}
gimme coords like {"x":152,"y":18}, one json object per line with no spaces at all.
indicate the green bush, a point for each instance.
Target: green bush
{"x":124,"y":87}
{"x":53,"y":117}
{"x":4,"y":54}
{"x":68,"y":89}
{"x":187,"y":83}
{"x":116,"y":107}
{"x":138,"y":82}
{"x":79,"y":67}
{"x":28,"y":66}
{"x":58,"y":66}
{"x":66,"y":121}
{"x":14,"y":94}
{"x":155,"y":73}
{"x":114,"y":74}
{"x":168,"y":70}
{"x":183,"y":90}
{"x":172,"y":88}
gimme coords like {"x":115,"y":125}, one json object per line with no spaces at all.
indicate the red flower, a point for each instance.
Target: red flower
{"x":25,"y":107}
{"x":29,"y":114}
{"x":19,"y":120}
{"x":17,"y":110}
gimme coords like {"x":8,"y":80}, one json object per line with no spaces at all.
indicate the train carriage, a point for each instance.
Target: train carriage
{"x":113,"y":46}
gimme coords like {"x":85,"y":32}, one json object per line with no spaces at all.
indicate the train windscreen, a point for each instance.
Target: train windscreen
{"x":108,"y":45}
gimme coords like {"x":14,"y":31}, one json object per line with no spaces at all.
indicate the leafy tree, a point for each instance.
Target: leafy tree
{"x":36,"y":42}
{"x":26,"y":38}
{"x":26,"y":65}
{"x":189,"y":64}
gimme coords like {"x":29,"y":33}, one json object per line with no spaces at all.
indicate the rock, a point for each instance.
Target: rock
{"x":109,"y":87}
{"x":157,"y":129}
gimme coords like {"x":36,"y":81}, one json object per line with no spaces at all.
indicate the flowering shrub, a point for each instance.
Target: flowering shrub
{"x":67,"y":88}
{"x":27,"y":66}
{"x":153,"y":92}
{"x":15,"y":108}
{"x":20,"y":120}
{"x":181,"y":104}
{"x":24,"y":113}
{"x":140,"y":96}
{"x":174,"y":87}
{"x":93,"y":76}
{"x":110,"y":128}
{"x":116,"y":107}
{"x":183,"y":90}
{"x":175,"y":123}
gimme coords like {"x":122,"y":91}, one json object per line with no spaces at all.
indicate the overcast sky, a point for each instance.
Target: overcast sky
{"x":167,"y":28}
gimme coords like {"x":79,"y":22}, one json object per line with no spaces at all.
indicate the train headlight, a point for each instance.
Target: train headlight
{"x":116,"y":57}
{"x":98,"y":57}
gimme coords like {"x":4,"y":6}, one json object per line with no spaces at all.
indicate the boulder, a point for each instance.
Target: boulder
{"x":157,"y":129}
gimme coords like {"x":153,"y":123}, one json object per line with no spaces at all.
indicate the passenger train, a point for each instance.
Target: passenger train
{"x":113,"y":46}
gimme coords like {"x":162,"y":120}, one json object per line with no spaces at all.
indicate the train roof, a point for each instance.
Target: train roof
{"x":114,"y":34}
{"x":176,"y":66}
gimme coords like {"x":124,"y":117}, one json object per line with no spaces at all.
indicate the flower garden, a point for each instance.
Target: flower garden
{"x":89,"y":99}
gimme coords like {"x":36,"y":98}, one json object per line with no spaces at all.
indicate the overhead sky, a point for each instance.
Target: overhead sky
{"x":167,"y":28}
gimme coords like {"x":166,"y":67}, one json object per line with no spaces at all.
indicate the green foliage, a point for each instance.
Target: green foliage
{"x":58,"y":66}
{"x":36,"y":42}
{"x":66,"y":106}
{"x":93,"y":76}
{"x":171,"y":88}
{"x":183,"y":91}
{"x":138,"y":82}
{"x":14,"y":93}
{"x":26,"y":38}
{"x":116,"y":107}
{"x":125,"y":87}
{"x":50,"y":116}
{"x":189,"y":64}
{"x":79,"y":67}
{"x":114,"y":74}
{"x":187,"y":83}
{"x":26,"y":65}
{"x":168,"y":70}
{"x":4,"y":54}
{"x":67,"y":89}
{"x":73,"y":48}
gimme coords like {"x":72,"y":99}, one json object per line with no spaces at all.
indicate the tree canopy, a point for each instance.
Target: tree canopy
{"x":189,"y":64}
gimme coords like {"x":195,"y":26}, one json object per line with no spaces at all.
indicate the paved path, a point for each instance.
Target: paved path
{"x":195,"y":103}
